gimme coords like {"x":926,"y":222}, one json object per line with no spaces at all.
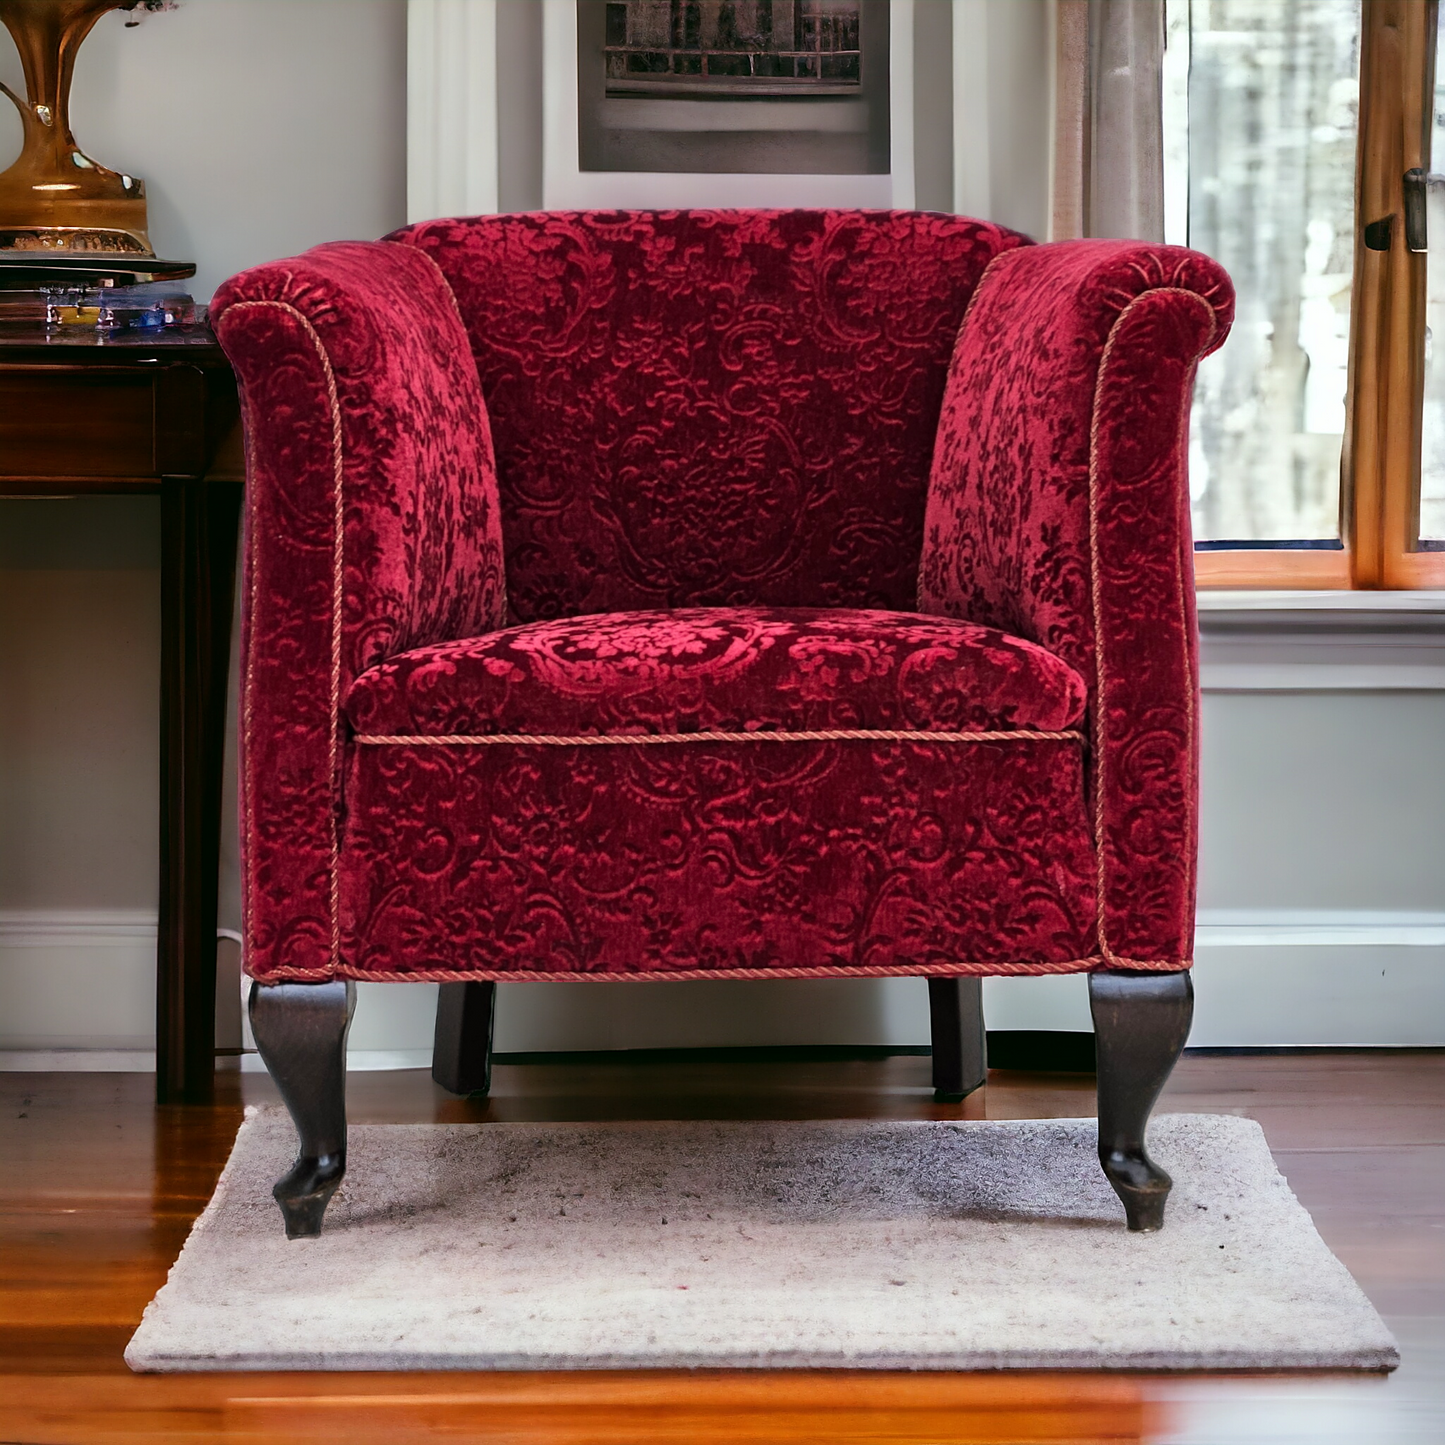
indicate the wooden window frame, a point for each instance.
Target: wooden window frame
{"x":1380,"y":463}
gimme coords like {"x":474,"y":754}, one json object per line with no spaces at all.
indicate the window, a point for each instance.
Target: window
{"x":1317,"y":447}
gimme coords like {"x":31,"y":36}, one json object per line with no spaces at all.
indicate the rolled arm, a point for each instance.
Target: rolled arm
{"x":372,"y":526}
{"x":1058,"y":509}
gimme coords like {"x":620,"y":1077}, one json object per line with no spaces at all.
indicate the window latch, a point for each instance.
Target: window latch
{"x":1417,"y":183}
{"x":1417,"y":186}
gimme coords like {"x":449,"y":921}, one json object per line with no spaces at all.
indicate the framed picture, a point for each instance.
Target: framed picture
{"x":727,"y":103}
{"x":751,"y":87}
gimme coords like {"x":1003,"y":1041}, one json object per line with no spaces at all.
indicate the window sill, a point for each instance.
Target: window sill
{"x":1225,"y":600}
{"x":1322,"y":641}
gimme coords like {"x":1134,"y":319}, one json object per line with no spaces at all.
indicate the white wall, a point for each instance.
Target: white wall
{"x":264,"y":126}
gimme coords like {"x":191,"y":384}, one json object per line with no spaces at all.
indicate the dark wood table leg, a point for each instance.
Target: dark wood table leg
{"x":199,"y":520}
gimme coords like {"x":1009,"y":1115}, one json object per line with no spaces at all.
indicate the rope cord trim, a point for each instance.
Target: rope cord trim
{"x":648,"y":739}
{"x":1092,"y":964}
{"x":338,"y":523}
{"x":1099,"y":712}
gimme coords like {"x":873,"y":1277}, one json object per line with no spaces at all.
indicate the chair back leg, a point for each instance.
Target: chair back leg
{"x":300,"y":1031}
{"x":960,"y":1052}
{"x":461,"y":1060}
{"x":1141,"y":1021}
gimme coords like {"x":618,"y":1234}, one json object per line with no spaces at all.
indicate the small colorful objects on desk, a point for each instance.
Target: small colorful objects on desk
{"x":151,"y":307}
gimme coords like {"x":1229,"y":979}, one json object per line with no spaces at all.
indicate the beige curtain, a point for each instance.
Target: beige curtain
{"x":1108,"y":175}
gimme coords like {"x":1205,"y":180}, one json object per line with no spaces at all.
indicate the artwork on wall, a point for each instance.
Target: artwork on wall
{"x":651,"y":103}
{"x":757,"y":87}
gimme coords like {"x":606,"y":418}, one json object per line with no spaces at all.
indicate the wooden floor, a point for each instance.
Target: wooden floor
{"x":98,"y":1188}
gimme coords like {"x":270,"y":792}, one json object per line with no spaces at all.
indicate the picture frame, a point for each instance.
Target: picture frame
{"x":753,"y":87}
{"x":567,"y":185}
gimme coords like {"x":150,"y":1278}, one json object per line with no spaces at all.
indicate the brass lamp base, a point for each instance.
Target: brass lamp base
{"x":73,"y":240}
{"x":55,"y":198}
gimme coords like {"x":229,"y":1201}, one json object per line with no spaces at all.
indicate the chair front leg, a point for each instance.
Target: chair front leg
{"x":960,"y":1053}
{"x":300,"y":1031}
{"x":1141,"y":1021}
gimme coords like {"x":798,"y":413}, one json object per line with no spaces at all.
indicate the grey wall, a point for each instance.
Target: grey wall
{"x":1324,"y":802}
{"x":79,"y":681}
{"x":933,"y":106}
{"x":519,"y":105}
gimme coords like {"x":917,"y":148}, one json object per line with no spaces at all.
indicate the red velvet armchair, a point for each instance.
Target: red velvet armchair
{"x":640,"y":596}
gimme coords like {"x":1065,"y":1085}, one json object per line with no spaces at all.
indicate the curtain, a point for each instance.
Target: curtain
{"x":1108,"y":174}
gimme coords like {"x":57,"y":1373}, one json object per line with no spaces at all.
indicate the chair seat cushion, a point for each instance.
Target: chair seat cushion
{"x":720,"y":669}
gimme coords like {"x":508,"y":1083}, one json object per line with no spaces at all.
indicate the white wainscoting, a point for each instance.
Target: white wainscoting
{"x":77,"y":990}
{"x":77,"y":980}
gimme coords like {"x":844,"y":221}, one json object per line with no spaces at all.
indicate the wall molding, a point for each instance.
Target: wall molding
{"x":1217,"y":928}
{"x":1318,"y":928}
{"x":1322,"y":641}
{"x":75,"y":927}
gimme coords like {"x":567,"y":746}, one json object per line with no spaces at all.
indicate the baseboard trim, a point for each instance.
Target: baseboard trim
{"x":1217,"y":927}
{"x":77,"y":1061}
{"x":77,"y":988}
{"x":1043,"y":1051}
{"x":75,"y":927}
{"x":1318,"y":928}
{"x":740,"y":1054}
{"x":358,"y":1061}
{"x":1274,"y":1050}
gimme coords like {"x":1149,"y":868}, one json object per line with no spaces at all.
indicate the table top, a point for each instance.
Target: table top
{"x":75,"y":345}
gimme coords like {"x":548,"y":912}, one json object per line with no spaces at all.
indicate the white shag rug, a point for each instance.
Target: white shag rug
{"x":849,"y":1245}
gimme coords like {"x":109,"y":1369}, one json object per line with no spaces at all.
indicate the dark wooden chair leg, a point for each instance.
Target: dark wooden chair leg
{"x":300,"y":1031}
{"x":461,"y":1060}
{"x":1141,"y":1021}
{"x":960,"y":1052}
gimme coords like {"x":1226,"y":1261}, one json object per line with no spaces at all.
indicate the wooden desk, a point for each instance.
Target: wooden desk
{"x":157,"y":415}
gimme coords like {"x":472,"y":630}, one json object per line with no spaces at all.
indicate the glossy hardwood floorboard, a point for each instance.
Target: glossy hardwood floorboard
{"x":98,"y":1188}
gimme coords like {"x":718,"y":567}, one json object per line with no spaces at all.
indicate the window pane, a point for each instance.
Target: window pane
{"x":1432,"y":450}
{"x":1273,"y":92}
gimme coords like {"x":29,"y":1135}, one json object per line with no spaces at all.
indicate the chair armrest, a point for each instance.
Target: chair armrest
{"x":372,"y":526}
{"x":1058,"y":510}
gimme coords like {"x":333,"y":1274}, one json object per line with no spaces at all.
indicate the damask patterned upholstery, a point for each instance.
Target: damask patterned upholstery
{"x":712,"y":408}
{"x":718,"y":594}
{"x":737,"y":669}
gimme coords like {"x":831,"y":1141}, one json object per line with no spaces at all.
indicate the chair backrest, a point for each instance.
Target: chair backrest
{"x":711,"y":407}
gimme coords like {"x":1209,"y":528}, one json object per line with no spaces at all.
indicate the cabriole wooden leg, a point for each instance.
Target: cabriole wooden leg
{"x":1141,"y":1021}
{"x":300,"y":1031}
{"x":461,"y":1060}
{"x":960,"y":1054}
